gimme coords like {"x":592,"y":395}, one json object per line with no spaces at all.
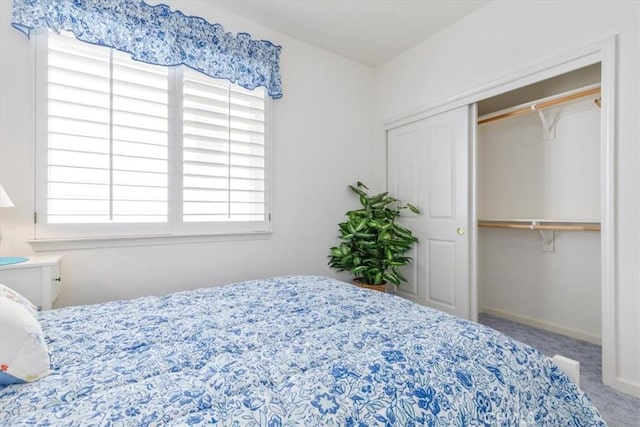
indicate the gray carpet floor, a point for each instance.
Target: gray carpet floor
{"x":617,"y":409}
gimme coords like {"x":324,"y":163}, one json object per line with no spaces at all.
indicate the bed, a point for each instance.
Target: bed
{"x":299,"y":350}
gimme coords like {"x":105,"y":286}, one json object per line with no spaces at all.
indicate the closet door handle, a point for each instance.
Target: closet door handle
{"x":460,"y":231}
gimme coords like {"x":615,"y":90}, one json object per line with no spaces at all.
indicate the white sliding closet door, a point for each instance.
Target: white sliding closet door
{"x":428,"y":164}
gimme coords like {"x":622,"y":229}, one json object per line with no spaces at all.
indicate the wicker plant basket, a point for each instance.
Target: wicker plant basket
{"x":380,"y":288}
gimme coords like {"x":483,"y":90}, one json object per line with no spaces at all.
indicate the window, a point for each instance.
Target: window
{"x":128,"y":148}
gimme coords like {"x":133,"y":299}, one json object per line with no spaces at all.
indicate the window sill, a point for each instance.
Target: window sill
{"x":44,"y":245}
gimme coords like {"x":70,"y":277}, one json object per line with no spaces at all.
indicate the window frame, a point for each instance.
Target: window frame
{"x":175,"y":226}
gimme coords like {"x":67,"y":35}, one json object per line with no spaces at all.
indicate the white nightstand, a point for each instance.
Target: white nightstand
{"x":37,"y":279}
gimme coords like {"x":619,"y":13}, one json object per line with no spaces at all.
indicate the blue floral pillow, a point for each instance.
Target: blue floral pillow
{"x":24,"y":355}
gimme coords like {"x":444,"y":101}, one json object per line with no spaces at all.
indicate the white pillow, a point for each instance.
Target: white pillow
{"x":24,"y":356}
{"x":7,"y":292}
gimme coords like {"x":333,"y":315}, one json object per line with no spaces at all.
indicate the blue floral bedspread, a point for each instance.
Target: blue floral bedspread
{"x":287,"y":351}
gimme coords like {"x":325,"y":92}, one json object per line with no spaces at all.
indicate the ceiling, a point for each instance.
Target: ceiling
{"x":368,"y":31}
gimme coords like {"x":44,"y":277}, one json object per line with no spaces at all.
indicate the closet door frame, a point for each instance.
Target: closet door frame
{"x":603,"y":52}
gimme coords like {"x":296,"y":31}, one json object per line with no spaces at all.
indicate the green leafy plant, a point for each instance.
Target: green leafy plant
{"x":373,"y":245}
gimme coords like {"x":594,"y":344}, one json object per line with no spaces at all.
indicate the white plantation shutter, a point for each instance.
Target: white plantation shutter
{"x":223,"y":151}
{"x":127,"y":148}
{"x":107,"y":136}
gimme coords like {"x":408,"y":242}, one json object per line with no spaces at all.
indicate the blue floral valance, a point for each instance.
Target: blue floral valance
{"x":156,"y":35}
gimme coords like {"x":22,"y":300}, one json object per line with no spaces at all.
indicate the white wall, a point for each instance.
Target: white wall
{"x":503,"y":38}
{"x":558,"y":291}
{"x":522,"y":175}
{"x":322,"y":131}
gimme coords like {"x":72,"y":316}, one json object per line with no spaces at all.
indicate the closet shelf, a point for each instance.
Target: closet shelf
{"x":554,"y":225}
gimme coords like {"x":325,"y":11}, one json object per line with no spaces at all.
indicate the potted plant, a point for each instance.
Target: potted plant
{"x":373,"y":245}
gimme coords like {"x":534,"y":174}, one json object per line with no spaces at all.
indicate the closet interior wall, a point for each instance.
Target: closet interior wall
{"x":523,"y":175}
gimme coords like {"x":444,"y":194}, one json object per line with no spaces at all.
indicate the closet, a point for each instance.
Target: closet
{"x":515,"y":188}
{"x":538,"y":187}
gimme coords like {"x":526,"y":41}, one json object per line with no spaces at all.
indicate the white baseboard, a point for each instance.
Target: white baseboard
{"x":584,"y":336}
{"x":628,"y":387}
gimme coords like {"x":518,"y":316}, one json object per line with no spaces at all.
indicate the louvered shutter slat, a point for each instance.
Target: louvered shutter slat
{"x":145,"y":136}
{"x":142,"y":192}
{"x":72,"y":78}
{"x":140,"y":179}
{"x":150,"y":151}
{"x":78,"y":127}
{"x":77,"y":175}
{"x":204,"y":143}
{"x":79,"y":191}
{"x":243,"y":184}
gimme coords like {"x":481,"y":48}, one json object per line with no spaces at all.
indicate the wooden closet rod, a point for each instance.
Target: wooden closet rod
{"x":541,"y":104}
{"x":538,"y":226}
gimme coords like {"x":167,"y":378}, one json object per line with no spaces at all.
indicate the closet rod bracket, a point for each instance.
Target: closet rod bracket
{"x":548,"y":129}
{"x":548,"y":239}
